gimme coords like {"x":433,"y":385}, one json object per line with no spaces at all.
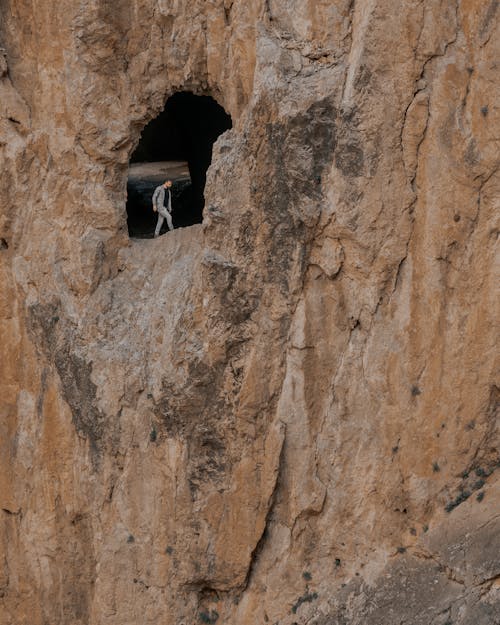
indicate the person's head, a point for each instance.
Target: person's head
{"x":167,"y":184}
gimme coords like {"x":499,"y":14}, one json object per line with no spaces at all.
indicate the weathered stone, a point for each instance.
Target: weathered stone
{"x":287,"y":414}
{"x":3,"y":63}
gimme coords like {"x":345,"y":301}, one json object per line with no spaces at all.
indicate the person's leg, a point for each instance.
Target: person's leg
{"x":159,"y":224}
{"x":168,"y":217}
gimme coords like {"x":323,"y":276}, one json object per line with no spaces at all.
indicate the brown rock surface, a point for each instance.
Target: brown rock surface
{"x":287,"y":414}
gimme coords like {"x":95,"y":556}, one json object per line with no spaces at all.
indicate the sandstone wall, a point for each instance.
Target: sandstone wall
{"x":288,"y":414}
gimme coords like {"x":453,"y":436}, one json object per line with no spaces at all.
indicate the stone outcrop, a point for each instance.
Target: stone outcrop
{"x":287,"y":414}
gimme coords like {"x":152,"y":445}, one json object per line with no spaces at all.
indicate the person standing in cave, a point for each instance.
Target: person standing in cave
{"x":164,"y":209}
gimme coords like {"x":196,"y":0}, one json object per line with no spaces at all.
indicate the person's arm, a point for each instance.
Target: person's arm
{"x":155,"y":197}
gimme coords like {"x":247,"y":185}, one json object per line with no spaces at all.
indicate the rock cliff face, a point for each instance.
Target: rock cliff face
{"x":287,"y":414}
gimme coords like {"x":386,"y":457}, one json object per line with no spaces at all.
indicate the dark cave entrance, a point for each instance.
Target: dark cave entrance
{"x":177,"y":145}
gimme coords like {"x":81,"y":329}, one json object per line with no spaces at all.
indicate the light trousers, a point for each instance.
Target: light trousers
{"x":162,"y":215}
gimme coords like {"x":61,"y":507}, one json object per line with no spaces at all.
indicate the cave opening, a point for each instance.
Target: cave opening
{"x":176,"y":145}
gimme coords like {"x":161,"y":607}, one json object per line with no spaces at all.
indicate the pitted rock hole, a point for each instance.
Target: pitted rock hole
{"x":176,"y":146}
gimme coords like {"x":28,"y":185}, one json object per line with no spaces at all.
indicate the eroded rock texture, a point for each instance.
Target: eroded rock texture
{"x":287,"y":414}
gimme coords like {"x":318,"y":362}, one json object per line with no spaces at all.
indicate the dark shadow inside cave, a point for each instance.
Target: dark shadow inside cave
{"x":177,"y":145}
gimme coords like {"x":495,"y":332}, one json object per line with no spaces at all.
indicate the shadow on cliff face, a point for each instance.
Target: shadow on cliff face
{"x":177,"y":145}
{"x":55,"y":337}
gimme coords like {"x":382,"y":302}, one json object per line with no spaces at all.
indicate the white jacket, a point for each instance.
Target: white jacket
{"x":159,"y":199}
